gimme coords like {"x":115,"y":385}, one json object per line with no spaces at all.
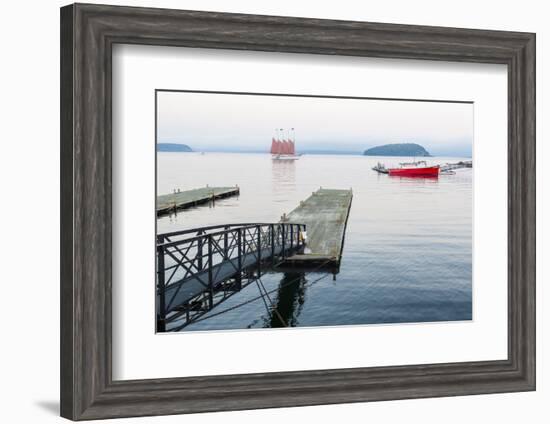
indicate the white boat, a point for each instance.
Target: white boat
{"x":285,"y":157}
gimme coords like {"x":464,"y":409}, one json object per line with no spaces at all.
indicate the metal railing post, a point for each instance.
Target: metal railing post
{"x":161,"y":316}
{"x":199,"y":251}
{"x":283,"y":232}
{"x":291,"y":236}
{"x":272,"y":229}
{"x":225,"y":243}
{"x":259,"y":246}
{"x":239,"y":259}
{"x":210,"y":282}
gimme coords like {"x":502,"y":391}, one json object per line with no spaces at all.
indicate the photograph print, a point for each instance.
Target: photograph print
{"x":285,"y":210}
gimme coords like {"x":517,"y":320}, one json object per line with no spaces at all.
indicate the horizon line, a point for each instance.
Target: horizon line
{"x":319,"y":152}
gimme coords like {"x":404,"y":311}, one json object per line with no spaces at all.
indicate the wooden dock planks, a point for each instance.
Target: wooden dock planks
{"x":325,"y":214}
{"x":167,"y":203}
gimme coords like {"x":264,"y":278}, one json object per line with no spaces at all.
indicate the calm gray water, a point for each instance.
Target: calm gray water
{"x":408,"y":248}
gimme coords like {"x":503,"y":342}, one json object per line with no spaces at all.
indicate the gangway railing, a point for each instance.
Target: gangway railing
{"x":197,"y":269}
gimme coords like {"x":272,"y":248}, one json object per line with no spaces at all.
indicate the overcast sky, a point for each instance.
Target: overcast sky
{"x":230,"y":122}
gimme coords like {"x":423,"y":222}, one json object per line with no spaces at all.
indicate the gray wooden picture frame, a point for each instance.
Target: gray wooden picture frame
{"x":88,"y":33}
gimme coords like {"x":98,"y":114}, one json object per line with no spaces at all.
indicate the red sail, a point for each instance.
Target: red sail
{"x":286,"y":147}
{"x":282,"y":147}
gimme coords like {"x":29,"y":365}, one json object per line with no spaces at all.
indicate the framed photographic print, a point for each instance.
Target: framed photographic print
{"x":265,"y":211}
{"x":247,"y":254}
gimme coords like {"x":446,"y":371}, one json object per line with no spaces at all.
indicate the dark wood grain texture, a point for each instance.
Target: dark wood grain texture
{"x":66,"y":212}
{"x":88,"y":33}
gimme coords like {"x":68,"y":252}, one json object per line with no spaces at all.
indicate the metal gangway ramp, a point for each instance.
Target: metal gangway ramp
{"x":198,"y":269}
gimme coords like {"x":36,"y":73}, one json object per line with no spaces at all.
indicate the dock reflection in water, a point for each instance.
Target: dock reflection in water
{"x":288,"y":302}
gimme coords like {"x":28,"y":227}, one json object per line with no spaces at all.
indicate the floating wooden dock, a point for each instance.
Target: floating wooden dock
{"x":168,"y":203}
{"x":325,"y":214}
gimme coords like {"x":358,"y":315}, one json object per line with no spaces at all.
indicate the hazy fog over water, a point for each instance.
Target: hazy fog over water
{"x":232,"y":122}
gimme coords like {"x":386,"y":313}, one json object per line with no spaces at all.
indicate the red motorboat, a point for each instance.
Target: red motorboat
{"x":414,"y":169}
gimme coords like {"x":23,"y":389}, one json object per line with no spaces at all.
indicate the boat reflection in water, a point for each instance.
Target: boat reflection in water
{"x":283,"y":179}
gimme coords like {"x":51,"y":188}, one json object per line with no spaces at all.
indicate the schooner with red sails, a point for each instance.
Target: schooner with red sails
{"x":284,"y":149}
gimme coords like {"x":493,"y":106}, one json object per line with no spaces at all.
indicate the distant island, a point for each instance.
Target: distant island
{"x":173,"y":147}
{"x":398,"y":149}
